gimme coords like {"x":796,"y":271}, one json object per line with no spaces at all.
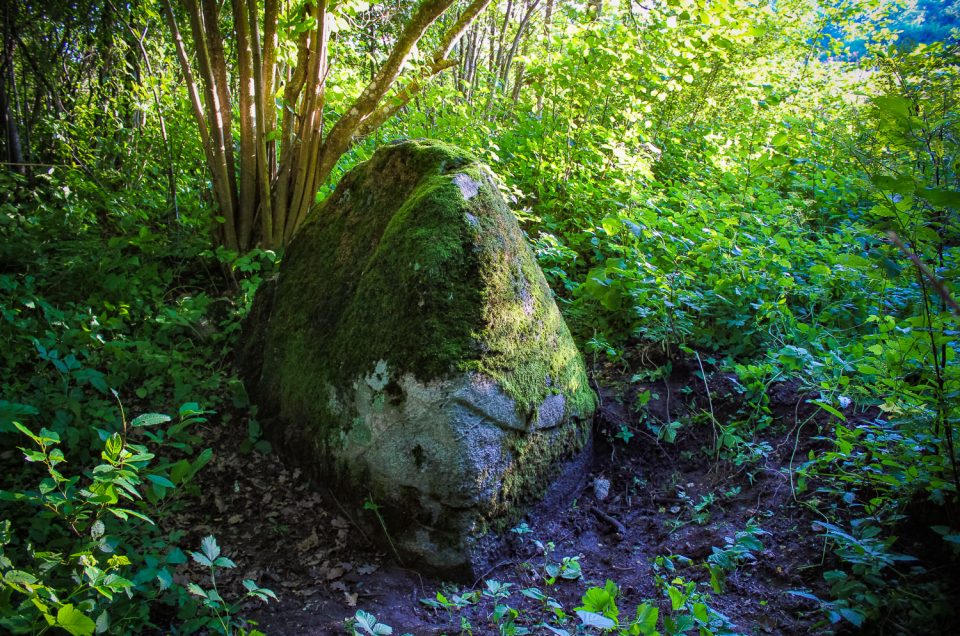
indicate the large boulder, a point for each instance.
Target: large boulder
{"x":410,"y":352}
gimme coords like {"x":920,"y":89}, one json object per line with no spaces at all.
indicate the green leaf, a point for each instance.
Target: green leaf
{"x":893,"y":104}
{"x":852,"y":615}
{"x":676,"y":598}
{"x":190,"y":408}
{"x":597,"y":599}
{"x":19,"y":577}
{"x":201,"y":559}
{"x":75,"y":621}
{"x":571,"y":571}
{"x":210,"y":548}
{"x":262,"y":592}
{"x":611,"y":300}
{"x":831,"y":410}
{"x":941,"y":197}
{"x":196,"y":590}
{"x":176,"y":557}
{"x":94,"y":378}
{"x":717,"y":578}
{"x":368,"y":622}
{"x":898,"y":185}
{"x":161,"y":481}
{"x":26,"y":431}
{"x":34,"y":456}
{"x":165,"y":579}
{"x":122,"y":513}
{"x":700,"y":612}
{"x":103,"y":622}
{"x":224,"y":562}
{"x":150,"y":419}
{"x":202,"y":460}
{"x":180,"y":472}
{"x":647,"y":616}
{"x":592,"y":619}
{"x":611,"y":225}
{"x":112,"y":448}
{"x":804,"y":594}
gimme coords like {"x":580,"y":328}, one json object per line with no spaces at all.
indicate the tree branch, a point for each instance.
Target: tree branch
{"x":938,"y":284}
{"x":344,"y":130}
{"x":439,"y":64}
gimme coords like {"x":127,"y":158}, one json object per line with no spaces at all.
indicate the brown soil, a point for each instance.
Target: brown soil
{"x":664,"y":499}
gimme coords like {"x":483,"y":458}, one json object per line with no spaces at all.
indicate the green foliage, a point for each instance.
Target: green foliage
{"x":717,"y":177}
{"x":221,"y":614}
{"x":98,"y":567}
{"x":735,"y":194}
{"x":366,"y":624}
{"x":739,"y":549}
{"x":143,"y":318}
{"x":79,"y":556}
{"x":682,"y":608}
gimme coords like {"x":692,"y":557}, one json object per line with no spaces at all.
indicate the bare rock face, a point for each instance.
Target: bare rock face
{"x":410,"y":352}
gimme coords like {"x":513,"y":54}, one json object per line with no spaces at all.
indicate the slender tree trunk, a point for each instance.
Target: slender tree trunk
{"x":8,"y":108}
{"x":171,"y":175}
{"x":246,"y":103}
{"x":521,"y":31}
{"x":266,"y":193}
{"x":14,"y":156}
{"x":217,"y":115}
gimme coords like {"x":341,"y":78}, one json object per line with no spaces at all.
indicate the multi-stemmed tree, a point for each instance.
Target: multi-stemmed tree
{"x":265,"y":186}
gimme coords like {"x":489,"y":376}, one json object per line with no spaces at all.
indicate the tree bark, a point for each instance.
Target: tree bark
{"x":265,"y":196}
{"x":8,"y":108}
{"x":217,"y":115}
{"x":246,"y":103}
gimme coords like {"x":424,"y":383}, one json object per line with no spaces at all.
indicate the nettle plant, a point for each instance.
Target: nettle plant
{"x":531,"y":610}
{"x":222,"y":615}
{"x":81,"y":551}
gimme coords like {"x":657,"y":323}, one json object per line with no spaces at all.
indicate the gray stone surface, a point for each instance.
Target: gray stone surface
{"x":410,"y":352}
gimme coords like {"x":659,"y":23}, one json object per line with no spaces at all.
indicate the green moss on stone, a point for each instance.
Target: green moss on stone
{"x":537,"y":458}
{"x":451,"y":280}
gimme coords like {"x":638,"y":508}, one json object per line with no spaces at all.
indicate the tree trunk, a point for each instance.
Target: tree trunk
{"x":8,"y":108}
{"x":266,"y":194}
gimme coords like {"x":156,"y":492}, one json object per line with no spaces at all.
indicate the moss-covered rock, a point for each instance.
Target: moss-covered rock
{"x":411,"y":352}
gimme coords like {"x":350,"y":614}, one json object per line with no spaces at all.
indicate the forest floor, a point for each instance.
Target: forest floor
{"x":664,"y":499}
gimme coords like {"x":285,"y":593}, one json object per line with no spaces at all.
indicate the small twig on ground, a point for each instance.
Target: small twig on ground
{"x":349,"y":518}
{"x":713,"y":418}
{"x":600,"y":514}
{"x":666,"y":500}
{"x":487,"y":573}
{"x":938,"y":285}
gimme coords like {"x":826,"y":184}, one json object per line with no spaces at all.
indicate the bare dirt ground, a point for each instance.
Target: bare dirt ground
{"x":663,"y":499}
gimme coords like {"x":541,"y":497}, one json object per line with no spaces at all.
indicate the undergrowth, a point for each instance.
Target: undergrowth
{"x":751,"y":202}
{"x":89,"y":497}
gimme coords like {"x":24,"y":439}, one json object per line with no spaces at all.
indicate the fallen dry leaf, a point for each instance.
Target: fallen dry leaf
{"x":367,"y":568}
{"x":309,"y":543}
